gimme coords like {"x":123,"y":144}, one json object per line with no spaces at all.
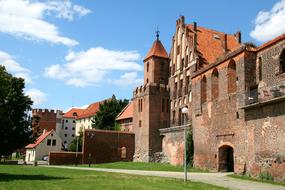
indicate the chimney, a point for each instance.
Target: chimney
{"x":195,"y":36}
{"x":238,"y":36}
{"x":225,"y":43}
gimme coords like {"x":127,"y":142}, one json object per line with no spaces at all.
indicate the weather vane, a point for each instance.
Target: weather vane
{"x":157,"y":33}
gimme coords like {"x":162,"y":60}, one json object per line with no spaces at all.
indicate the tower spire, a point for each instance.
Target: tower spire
{"x":157,"y":33}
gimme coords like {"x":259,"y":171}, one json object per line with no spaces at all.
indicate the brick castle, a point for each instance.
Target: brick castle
{"x":234,"y":92}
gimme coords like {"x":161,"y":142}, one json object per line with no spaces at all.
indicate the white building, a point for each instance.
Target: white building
{"x":48,"y":141}
{"x":84,"y":119}
{"x":68,"y":125}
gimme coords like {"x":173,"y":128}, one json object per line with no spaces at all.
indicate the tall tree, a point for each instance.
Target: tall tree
{"x":15,"y":131}
{"x":108,"y":110}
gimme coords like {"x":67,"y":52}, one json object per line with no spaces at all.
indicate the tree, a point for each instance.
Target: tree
{"x":189,"y":148}
{"x":77,"y":141}
{"x":36,"y":126}
{"x":105,"y":117}
{"x":15,"y":130}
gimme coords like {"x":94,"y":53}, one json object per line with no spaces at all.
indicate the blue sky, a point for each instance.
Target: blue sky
{"x":73,"y":53}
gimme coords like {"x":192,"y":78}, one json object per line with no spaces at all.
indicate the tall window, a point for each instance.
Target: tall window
{"x":259,"y":69}
{"x":203,"y":90}
{"x":215,"y":84}
{"x":147,"y":67}
{"x":232,"y":77}
{"x":282,"y":61}
{"x":162,"y":104}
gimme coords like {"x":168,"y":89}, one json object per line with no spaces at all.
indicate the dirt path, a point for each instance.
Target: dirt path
{"x":219,"y":179}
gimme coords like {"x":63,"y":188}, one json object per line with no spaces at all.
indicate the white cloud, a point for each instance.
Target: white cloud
{"x":15,"y":68}
{"x":270,"y":24}
{"x":25,"y":18}
{"x":89,"y":67}
{"x":37,"y":96}
{"x":126,"y":79}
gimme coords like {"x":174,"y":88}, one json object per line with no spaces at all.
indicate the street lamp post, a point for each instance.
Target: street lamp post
{"x":76,"y":154}
{"x":185,"y":112}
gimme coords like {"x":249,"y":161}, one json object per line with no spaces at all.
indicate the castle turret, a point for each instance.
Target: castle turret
{"x":151,"y":104}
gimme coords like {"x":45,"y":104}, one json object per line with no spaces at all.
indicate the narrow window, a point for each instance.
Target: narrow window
{"x":53,"y":142}
{"x":147,"y":67}
{"x":140,"y":123}
{"x":259,"y":69}
{"x":203,"y":90}
{"x":48,"y":142}
{"x":215,"y":84}
{"x":282,"y":61}
{"x":162,"y":105}
{"x":232,"y":77}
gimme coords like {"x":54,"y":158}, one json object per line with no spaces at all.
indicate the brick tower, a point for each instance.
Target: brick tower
{"x":151,"y":104}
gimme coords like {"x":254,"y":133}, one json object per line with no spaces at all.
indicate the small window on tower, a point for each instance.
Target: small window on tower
{"x":147,"y":67}
{"x":140,"y":123}
{"x":147,"y":81}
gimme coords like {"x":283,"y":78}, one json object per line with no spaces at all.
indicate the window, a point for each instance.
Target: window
{"x":73,"y":128}
{"x":65,"y":142}
{"x":65,"y":128}
{"x":124,"y":152}
{"x":259,"y":69}
{"x":203,"y":90}
{"x":173,"y":116}
{"x":215,"y":84}
{"x":232,"y":77}
{"x":65,"y":135}
{"x":73,"y":121}
{"x":167,"y":105}
{"x":72,"y":135}
{"x":53,"y":142}
{"x":147,"y":81}
{"x":140,"y":123}
{"x":48,"y":142}
{"x":66,"y":121}
{"x":282,"y":61}
{"x":147,"y":66}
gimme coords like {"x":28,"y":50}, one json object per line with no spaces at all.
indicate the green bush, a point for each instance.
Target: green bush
{"x":266,"y":176}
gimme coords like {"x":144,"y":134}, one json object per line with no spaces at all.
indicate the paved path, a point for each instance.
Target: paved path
{"x":219,"y":179}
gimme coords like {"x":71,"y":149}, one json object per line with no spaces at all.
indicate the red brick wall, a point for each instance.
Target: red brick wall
{"x":102,"y":146}
{"x":47,"y":118}
{"x":64,"y":158}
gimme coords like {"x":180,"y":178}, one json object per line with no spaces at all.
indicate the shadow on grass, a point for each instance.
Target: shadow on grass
{"x":12,"y":177}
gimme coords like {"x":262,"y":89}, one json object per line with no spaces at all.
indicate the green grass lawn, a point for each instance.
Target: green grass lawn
{"x":143,"y":166}
{"x":245,"y":177}
{"x":13,"y":177}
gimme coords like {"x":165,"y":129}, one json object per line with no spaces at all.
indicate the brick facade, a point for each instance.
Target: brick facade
{"x":65,"y":158}
{"x":235,"y":94}
{"x":100,"y":146}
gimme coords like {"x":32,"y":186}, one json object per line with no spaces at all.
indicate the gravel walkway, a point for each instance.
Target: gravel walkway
{"x":219,"y":179}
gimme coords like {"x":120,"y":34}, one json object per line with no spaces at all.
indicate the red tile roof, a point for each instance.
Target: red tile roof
{"x":210,"y":43}
{"x":126,"y":113}
{"x":157,"y":50}
{"x":70,"y":113}
{"x":91,"y":110}
{"x":40,"y":139}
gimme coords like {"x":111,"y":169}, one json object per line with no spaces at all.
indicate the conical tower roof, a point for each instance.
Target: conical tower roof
{"x":157,"y":50}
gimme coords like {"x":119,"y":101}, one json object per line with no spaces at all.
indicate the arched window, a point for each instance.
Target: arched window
{"x":215,"y":84}
{"x":124,"y":152}
{"x":203,"y":90}
{"x":259,"y":69}
{"x":282,"y":61}
{"x":232,"y":77}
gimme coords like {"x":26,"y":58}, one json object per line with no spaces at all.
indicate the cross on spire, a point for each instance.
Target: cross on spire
{"x":157,"y":33}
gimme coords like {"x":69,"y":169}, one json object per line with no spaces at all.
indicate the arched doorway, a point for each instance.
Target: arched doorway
{"x":226,"y":159}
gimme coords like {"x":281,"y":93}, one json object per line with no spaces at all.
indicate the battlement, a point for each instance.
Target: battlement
{"x":150,"y":88}
{"x":46,"y":111}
